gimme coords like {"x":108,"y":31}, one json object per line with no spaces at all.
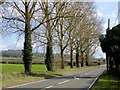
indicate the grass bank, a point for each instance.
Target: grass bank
{"x":13,"y":74}
{"x":108,"y":81}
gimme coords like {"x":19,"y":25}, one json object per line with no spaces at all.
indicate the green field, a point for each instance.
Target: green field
{"x":13,"y":74}
{"x":15,"y":68}
{"x":108,"y":81}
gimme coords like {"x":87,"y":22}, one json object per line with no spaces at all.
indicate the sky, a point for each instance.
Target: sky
{"x":106,"y":9}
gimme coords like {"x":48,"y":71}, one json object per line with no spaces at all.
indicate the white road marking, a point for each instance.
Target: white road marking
{"x":95,"y":80}
{"x":49,"y":86}
{"x":63,"y":81}
{"x":27,"y":84}
{"x":76,"y":78}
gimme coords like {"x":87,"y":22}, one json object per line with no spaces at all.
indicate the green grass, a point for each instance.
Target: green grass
{"x":15,"y":68}
{"x":13,"y":74}
{"x":108,"y":81}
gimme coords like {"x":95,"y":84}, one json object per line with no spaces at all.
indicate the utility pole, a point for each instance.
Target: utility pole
{"x":107,"y":55}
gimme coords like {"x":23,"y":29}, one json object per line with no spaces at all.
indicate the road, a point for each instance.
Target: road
{"x":81,"y":80}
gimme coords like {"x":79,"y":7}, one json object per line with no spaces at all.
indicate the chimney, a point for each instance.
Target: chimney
{"x":108,"y":25}
{"x":119,"y":12}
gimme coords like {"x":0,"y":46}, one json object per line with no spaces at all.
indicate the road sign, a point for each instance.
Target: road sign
{"x":80,"y":59}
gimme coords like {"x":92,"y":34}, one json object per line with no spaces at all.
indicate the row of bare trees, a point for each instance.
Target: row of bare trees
{"x":72,"y":26}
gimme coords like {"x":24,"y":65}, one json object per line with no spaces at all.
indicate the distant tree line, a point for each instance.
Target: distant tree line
{"x":12,"y":53}
{"x":18,"y":54}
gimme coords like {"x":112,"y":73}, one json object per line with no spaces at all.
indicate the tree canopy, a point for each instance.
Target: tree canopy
{"x":111,"y":45}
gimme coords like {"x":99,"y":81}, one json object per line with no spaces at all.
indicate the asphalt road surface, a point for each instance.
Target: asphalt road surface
{"x":80,"y":80}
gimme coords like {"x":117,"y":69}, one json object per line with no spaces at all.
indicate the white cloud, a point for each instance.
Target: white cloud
{"x":99,"y":53}
{"x":3,"y":47}
{"x":113,"y":15}
{"x":105,"y":26}
{"x":116,"y":22}
{"x":99,"y":14}
{"x":18,"y":44}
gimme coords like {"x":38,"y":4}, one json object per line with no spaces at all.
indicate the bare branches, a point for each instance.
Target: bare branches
{"x":74,"y":24}
{"x":18,"y":19}
{"x":32,"y":9}
{"x":18,"y":9}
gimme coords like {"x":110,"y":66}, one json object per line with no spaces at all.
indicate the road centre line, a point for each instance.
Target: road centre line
{"x":63,"y":81}
{"x":49,"y":86}
{"x":76,"y":78}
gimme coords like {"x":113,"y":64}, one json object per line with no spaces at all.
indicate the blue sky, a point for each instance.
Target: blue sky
{"x":105,"y":10}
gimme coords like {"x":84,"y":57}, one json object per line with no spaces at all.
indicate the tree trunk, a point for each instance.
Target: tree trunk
{"x":87,"y":57}
{"x":81,"y":52}
{"x":111,"y":64}
{"x":61,"y":44}
{"x":82,"y":63}
{"x":116,"y":64}
{"x":77,"y":58}
{"x":71,"y":58}
{"x":107,"y":58}
{"x":27,"y":52}
{"x":49,"y":55}
{"x":62,"y":59}
{"x":87,"y":60}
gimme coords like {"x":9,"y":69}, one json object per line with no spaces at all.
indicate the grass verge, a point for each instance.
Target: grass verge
{"x":12,"y":74}
{"x":108,"y":81}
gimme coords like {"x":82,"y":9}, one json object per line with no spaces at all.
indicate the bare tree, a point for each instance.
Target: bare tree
{"x":27,"y":17}
{"x":50,"y":26}
{"x":61,"y":31}
{"x":88,"y":34}
{"x":92,"y":41}
{"x":24,"y":16}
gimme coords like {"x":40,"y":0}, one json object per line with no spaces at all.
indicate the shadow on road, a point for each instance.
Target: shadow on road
{"x":46,"y":76}
{"x":73,"y":77}
{"x":56,"y":76}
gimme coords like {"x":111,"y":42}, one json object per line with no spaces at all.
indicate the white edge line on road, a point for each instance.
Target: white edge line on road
{"x":26,"y":84}
{"x":49,"y":86}
{"x":64,"y":81}
{"x":95,"y":80}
